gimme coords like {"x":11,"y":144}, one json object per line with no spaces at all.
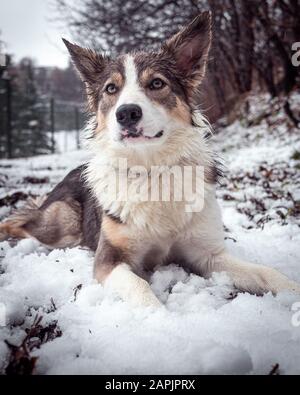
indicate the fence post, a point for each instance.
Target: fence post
{"x":52,"y":122}
{"x":8,"y":118}
{"x":77,"y":127}
{"x":4,"y":63}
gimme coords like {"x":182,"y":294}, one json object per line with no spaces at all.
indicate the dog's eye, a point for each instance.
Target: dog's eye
{"x":156,"y":84}
{"x":111,"y":89}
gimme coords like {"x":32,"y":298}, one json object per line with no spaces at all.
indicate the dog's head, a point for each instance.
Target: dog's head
{"x":141,"y":98}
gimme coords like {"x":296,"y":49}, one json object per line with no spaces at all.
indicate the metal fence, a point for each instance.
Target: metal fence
{"x":65,"y":116}
{"x":50,"y":115}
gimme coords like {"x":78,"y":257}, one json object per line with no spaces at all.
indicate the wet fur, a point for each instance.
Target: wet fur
{"x":130,"y":237}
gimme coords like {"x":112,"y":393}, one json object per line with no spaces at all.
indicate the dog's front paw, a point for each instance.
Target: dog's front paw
{"x":149,"y":300}
{"x":131,"y":288}
{"x":141,"y":295}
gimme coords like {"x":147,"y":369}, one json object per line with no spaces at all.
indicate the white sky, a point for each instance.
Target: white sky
{"x":28,"y":31}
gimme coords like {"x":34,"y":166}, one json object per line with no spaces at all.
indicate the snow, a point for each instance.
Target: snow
{"x":205,"y":327}
{"x":65,"y":141}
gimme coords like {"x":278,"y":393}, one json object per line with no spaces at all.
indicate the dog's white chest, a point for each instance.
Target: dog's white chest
{"x":156,"y":218}
{"x":141,"y":202}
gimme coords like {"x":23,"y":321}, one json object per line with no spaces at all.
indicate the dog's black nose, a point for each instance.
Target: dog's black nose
{"x":129,"y":114}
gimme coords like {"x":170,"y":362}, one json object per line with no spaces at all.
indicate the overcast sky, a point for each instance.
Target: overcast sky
{"x":27,"y":31}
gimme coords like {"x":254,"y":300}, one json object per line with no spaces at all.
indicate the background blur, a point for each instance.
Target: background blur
{"x":40,"y":94}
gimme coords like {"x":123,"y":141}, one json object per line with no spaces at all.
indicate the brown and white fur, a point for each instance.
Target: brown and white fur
{"x":131,"y":237}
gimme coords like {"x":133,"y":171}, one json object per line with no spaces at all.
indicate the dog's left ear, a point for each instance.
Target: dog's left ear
{"x":88,"y":63}
{"x":90,"y":66}
{"x":190,"y":47}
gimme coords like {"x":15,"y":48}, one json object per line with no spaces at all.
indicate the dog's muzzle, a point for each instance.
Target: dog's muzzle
{"x":128,"y":115}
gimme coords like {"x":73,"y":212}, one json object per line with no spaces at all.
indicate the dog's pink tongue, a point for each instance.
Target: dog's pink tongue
{"x":131,"y":133}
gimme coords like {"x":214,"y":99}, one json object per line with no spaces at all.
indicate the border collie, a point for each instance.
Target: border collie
{"x":144,"y":106}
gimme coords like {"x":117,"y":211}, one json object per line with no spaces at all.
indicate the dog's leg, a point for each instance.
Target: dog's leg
{"x":10,"y":229}
{"x":14,"y":226}
{"x":204,"y":249}
{"x":57,"y":225}
{"x":55,"y":220}
{"x":115,"y":275}
{"x":130,"y":287}
{"x":249,"y":277}
{"x":205,"y":259}
{"x":246,"y":276}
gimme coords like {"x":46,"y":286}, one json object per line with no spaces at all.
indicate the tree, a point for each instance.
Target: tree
{"x":251,"y":37}
{"x":28,"y":127}
{"x":3,"y":101}
{"x":30,"y":135}
{"x":118,"y":25}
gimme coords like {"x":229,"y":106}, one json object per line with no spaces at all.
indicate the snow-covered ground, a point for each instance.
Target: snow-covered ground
{"x":55,"y":311}
{"x":65,"y":140}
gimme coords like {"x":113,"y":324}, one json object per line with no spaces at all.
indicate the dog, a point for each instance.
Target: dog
{"x":144,"y":111}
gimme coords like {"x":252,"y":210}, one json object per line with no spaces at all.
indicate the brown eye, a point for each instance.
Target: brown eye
{"x":111,"y":89}
{"x":156,"y":84}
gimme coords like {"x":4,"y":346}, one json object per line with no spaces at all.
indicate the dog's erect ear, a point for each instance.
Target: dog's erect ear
{"x":190,"y":47}
{"x":89,"y":64}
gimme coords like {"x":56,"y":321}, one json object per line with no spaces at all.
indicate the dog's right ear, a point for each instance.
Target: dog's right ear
{"x":89,"y":64}
{"x":190,"y":48}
